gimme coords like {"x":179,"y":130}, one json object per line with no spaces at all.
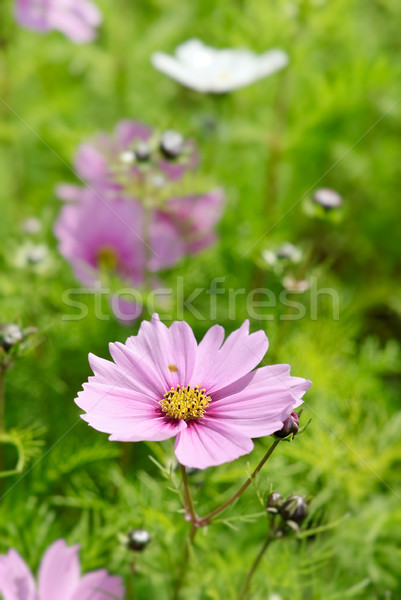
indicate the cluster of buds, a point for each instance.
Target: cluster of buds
{"x":281,"y":261}
{"x":293,"y":511}
{"x":170,"y":145}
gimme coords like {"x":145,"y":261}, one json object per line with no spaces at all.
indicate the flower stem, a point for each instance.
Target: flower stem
{"x":189,"y":505}
{"x":2,"y":398}
{"x":190,"y":511}
{"x":255,"y":564}
{"x":205,"y":520}
{"x":3,"y":371}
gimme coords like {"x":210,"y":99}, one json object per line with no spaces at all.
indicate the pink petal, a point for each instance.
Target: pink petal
{"x":69,"y":192}
{"x":206,"y":443}
{"x":258,"y":403}
{"x":32,"y":15}
{"x":135,"y":363}
{"x":125,"y":311}
{"x":128,"y":131}
{"x":125,"y":414}
{"x":16,"y":580}
{"x":59,"y":572}
{"x":99,"y":585}
{"x":90,"y":163}
{"x":216,"y":367}
{"x":166,"y":243}
{"x":170,"y":351}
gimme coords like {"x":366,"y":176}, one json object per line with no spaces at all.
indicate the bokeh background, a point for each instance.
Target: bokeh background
{"x":332,"y":119}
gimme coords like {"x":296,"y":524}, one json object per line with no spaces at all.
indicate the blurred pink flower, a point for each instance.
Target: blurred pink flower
{"x":110,"y":210}
{"x":104,"y":230}
{"x":77,"y":19}
{"x":59,"y":577}
{"x":163,"y":384}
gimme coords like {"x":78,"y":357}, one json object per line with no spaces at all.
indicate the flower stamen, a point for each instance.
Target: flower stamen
{"x":185,"y":402}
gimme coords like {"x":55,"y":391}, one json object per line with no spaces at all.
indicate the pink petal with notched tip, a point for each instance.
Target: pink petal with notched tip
{"x":206,"y":443}
{"x":219,"y":365}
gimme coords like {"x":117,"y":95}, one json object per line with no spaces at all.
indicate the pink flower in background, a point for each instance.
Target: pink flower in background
{"x":105,"y":230}
{"x":109,"y":211}
{"x":58,"y":578}
{"x":102,"y":232}
{"x":195,"y":217}
{"x":162,"y":384}
{"x":135,"y":215}
{"x":77,"y":19}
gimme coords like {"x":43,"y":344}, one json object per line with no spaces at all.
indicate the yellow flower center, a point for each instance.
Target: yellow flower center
{"x":185,"y":402}
{"x":107,"y":258}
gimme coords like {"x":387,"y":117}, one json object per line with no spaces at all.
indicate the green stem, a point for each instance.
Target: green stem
{"x":3,"y":370}
{"x":189,"y":508}
{"x":189,"y":505}
{"x":255,"y":564}
{"x":205,"y":520}
{"x":2,"y":399}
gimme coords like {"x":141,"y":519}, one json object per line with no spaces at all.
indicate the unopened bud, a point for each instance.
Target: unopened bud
{"x":289,"y":251}
{"x":294,"y":509}
{"x":138,"y":539}
{"x":327,"y":198}
{"x":142,"y":151}
{"x":274,"y":502}
{"x":127,"y":157}
{"x":171,"y":144}
{"x":32,"y":225}
{"x":290,"y":425}
{"x":10,"y":335}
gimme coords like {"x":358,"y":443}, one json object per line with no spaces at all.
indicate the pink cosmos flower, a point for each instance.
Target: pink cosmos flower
{"x":162,"y":384}
{"x":59,"y":578}
{"x":105,"y":230}
{"x":77,"y":19}
{"x":109,"y":212}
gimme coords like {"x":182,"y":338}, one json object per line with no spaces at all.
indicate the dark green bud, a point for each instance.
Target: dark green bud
{"x":171,"y":144}
{"x":294,"y":509}
{"x":274,"y":502}
{"x":289,"y":251}
{"x":10,"y":336}
{"x":142,"y":151}
{"x":138,"y":539}
{"x":327,"y":198}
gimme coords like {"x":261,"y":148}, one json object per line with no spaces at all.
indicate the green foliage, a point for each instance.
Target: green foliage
{"x":333,"y":119}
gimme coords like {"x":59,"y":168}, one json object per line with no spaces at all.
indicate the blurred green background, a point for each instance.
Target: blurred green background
{"x":331,"y":119}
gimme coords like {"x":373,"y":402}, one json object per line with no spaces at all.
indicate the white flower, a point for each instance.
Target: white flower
{"x":207,"y":69}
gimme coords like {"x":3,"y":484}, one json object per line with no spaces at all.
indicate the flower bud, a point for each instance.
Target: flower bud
{"x":327,"y":198}
{"x":142,"y":151}
{"x":10,"y":335}
{"x":127,"y":157}
{"x":290,"y":425}
{"x":274,"y":502}
{"x":171,"y":144}
{"x":138,"y":539}
{"x":37,"y":254}
{"x":289,"y":251}
{"x":294,"y":509}
{"x":32,"y":225}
